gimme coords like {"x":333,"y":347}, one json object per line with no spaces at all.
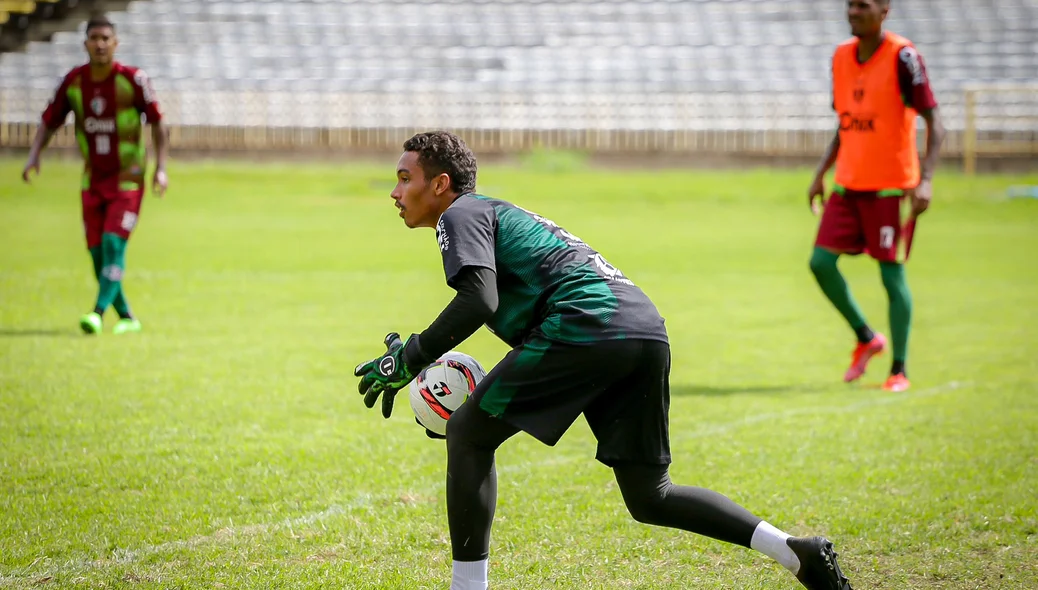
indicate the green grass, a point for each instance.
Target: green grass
{"x":226,"y":446}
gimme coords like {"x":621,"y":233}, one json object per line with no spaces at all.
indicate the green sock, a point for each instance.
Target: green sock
{"x":121,"y":305}
{"x":113,"y":250}
{"x":823,"y":265}
{"x":98,"y":259}
{"x":900,"y":308}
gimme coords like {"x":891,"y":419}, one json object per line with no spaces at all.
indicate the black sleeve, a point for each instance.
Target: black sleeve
{"x":465,"y":234}
{"x":474,"y":304}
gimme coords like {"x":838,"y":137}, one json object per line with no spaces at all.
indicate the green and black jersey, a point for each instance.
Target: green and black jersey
{"x":549,"y":282}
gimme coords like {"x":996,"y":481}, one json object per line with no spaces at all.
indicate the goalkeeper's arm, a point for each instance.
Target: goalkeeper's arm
{"x":475,"y":303}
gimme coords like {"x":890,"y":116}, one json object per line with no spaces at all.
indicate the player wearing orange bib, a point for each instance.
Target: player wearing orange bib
{"x":879,"y":87}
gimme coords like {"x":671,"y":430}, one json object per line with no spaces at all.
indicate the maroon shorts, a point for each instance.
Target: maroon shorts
{"x":864,"y":222}
{"x":110,"y":211}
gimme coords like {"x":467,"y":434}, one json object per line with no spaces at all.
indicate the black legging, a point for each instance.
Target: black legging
{"x":474,"y":435}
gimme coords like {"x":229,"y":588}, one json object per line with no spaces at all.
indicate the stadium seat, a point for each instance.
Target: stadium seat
{"x":537,"y":50}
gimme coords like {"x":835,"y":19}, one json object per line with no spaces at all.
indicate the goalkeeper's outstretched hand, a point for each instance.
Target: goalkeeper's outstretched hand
{"x":385,"y":375}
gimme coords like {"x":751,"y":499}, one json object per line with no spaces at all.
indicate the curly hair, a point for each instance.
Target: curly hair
{"x":442,"y":152}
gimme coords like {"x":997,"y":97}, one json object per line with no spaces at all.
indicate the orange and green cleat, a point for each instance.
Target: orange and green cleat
{"x":897,"y":382}
{"x":863,"y":353}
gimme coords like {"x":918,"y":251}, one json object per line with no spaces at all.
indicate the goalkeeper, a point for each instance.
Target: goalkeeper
{"x":585,"y":340}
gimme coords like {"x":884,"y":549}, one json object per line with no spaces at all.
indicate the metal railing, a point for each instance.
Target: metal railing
{"x":1000,"y":120}
{"x":985,"y":121}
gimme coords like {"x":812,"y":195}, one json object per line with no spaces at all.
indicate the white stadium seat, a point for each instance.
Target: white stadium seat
{"x":762,"y":60}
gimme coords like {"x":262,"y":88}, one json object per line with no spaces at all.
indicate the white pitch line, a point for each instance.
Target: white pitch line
{"x":125,"y":556}
{"x":122,"y":556}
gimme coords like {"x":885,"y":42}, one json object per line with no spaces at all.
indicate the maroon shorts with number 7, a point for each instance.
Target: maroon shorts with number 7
{"x":864,"y":222}
{"x":110,"y":211}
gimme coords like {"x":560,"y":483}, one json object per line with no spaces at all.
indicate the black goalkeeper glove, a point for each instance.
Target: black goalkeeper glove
{"x":385,"y":375}
{"x":430,"y":433}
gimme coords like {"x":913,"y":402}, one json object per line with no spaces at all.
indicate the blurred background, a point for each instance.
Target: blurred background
{"x":654,"y":78}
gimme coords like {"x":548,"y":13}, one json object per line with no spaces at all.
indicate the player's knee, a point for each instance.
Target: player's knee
{"x":893,"y":275}
{"x":821,"y":262}
{"x":457,"y":432}
{"x":646,"y":505}
{"x":471,"y":427}
{"x":644,"y":490}
{"x":898,"y":294}
{"x":645,"y":510}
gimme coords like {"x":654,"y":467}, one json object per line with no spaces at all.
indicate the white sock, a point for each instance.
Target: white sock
{"x":469,"y":575}
{"x":772,"y":542}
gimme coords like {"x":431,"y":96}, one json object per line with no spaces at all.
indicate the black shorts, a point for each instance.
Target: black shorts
{"x":621,"y":386}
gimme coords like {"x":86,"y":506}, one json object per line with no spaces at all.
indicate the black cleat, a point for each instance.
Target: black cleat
{"x":818,"y":567}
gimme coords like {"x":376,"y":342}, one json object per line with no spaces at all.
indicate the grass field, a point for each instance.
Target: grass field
{"x":226,"y":446}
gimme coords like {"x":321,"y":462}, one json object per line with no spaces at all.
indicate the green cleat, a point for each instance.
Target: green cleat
{"x":127,"y":325}
{"x":91,"y":323}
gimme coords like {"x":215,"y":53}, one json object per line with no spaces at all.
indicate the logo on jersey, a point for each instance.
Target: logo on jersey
{"x":859,"y":94}
{"x":97,"y":104}
{"x":610,"y":271}
{"x":92,"y":125}
{"x":441,"y":237}
{"x":857,"y":122}
{"x":142,"y":80}
{"x":910,"y":57}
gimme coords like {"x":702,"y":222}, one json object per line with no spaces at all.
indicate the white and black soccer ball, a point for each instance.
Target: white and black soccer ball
{"x":442,"y":387}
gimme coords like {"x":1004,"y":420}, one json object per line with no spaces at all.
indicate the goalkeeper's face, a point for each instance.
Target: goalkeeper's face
{"x":419,"y":199}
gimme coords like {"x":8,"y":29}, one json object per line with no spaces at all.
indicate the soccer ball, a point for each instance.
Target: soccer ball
{"x":442,"y":387}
